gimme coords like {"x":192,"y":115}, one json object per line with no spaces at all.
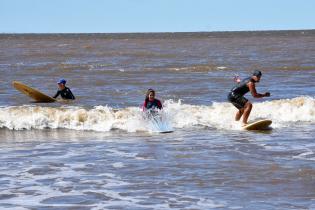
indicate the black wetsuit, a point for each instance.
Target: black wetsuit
{"x":236,"y":95}
{"x":65,"y":94}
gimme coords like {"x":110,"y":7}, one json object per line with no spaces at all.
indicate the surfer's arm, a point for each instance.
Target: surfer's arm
{"x":57,"y":94}
{"x":144,"y":106}
{"x":253,"y":91}
{"x":159,"y":104}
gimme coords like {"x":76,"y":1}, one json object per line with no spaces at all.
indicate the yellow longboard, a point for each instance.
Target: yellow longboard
{"x":258,"y":125}
{"x":33,"y":93}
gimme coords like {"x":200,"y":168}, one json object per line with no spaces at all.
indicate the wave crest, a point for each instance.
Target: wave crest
{"x":103,"y":118}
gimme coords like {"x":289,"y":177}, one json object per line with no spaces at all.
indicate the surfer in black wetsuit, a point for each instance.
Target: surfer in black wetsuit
{"x":236,"y":95}
{"x":150,"y":102}
{"x":64,"y":91}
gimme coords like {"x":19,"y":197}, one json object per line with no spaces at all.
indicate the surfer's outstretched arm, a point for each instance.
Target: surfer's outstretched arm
{"x":57,"y":94}
{"x":254,"y":93}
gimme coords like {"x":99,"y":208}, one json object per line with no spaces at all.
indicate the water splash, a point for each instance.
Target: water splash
{"x":175,"y":115}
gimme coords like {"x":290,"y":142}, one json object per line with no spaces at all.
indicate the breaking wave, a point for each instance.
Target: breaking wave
{"x":176,"y":115}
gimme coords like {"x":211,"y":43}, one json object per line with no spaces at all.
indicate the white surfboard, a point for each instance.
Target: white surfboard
{"x":33,"y":93}
{"x":157,"y":122}
{"x":258,"y":125}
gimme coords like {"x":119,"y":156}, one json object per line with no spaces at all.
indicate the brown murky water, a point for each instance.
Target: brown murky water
{"x":100,"y":153}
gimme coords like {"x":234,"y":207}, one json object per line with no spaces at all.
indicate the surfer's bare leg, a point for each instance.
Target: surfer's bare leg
{"x":247,"y":110}
{"x":239,"y":114}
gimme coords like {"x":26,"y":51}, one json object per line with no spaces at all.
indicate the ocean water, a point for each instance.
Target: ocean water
{"x":99,"y":152}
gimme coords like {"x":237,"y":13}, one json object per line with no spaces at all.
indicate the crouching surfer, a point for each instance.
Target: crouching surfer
{"x":236,"y":95}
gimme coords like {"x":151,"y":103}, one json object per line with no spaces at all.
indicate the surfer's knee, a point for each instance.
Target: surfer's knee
{"x":248,"y":105}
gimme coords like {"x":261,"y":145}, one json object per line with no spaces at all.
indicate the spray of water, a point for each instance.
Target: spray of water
{"x":175,"y":115}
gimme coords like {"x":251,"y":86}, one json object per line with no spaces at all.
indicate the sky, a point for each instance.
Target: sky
{"x":122,"y":16}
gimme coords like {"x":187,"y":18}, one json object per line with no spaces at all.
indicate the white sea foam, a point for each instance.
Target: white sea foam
{"x":221,"y":67}
{"x":282,"y":112}
{"x":118,"y":165}
{"x":308,"y":154}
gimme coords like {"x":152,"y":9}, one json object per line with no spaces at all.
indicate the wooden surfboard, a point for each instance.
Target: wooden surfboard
{"x":258,"y":125}
{"x":33,"y":93}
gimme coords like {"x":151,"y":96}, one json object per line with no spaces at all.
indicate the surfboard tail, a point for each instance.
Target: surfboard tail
{"x":32,"y":93}
{"x":258,"y":125}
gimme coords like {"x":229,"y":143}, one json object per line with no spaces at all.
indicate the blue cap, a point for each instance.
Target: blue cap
{"x":62,"y":81}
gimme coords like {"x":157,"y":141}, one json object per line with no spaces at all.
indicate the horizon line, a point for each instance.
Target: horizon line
{"x":162,"y":32}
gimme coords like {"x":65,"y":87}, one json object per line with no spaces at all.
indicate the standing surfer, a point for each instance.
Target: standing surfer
{"x":236,"y":95}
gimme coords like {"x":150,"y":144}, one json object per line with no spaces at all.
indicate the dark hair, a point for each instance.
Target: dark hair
{"x":148,"y":93}
{"x":257,"y":73}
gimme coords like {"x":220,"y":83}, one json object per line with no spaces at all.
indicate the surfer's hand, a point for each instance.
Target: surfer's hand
{"x":267,"y":94}
{"x":237,"y":79}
